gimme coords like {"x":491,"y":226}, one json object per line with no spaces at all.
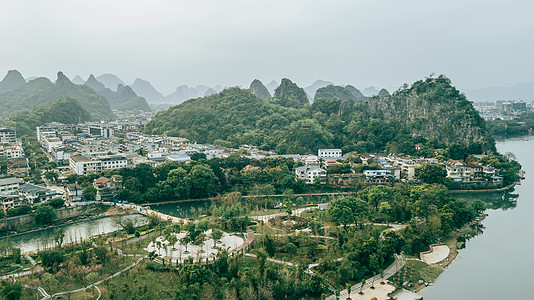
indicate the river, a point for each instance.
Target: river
{"x":41,"y":239}
{"x":498,"y":264}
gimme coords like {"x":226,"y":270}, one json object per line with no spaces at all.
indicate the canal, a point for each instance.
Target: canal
{"x":44,"y":238}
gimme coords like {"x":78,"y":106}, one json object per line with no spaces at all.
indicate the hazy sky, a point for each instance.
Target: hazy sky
{"x":231,"y":42}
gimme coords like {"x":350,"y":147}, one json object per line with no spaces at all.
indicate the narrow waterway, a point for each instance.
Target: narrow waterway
{"x":499,"y":263}
{"x":41,"y":239}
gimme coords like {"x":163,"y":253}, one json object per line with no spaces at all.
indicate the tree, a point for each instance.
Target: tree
{"x":84,"y":255}
{"x":185,"y":241}
{"x":216,"y":234}
{"x":11,"y":290}
{"x":52,"y":258}
{"x":101,"y":253}
{"x":89,"y":193}
{"x":172,"y":240}
{"x":347,"y":210}
{"x":56,"y":202}
{"x":51,"y":175}
{"x":430,"y":173}
{"x":44,"y":215}
{"x":203,"y":181}
{"x":127,"y":224}
{"x":59,"y":236}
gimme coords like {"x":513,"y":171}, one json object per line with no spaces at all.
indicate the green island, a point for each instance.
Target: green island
{"x":260,"y":231}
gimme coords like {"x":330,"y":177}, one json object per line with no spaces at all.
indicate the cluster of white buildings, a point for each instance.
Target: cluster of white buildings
{"x":458,"y":171}
{"x":383,"y":169}
{"x":11,"y":148}
{"x":312,"y":169}
{"x":14,"y":193}
{"x":94,"y":147}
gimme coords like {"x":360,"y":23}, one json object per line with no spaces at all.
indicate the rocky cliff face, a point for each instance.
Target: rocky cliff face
{"x":257,"y":88}
{"x":290,"y":95}
{"x":434,"y":109}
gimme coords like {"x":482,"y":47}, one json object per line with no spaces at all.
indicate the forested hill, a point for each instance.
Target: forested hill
{"x":431,"y":112}
{"x":67,"y":111}
{"x":41,"y":91}
{"x":435,"y":110}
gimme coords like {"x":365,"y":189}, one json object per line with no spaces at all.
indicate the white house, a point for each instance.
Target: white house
{"x":9,"y":185}
{"x":330,"y":153}
{"x":83,"y":165}
{"x":308,"y":174}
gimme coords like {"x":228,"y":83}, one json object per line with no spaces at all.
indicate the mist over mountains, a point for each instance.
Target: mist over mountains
{"x":145,"y":89}
{"x":521,"y":91}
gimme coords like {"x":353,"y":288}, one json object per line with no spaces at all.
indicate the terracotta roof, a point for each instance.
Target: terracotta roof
{"x":101,"y":180}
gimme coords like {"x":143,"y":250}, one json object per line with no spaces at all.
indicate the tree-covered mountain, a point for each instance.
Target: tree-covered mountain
{"x":435,"y":110}
{"x":12,"y":81}
{"x":67,"y":111}
{"x":41,"y":91}
{"x":77,"y":80}
{"x":123,"y":99}
{"x":431,"y":112}
{"x":355,"y":92}
{"x":335,"y":91}
{"x":257,"y":88}
{"x":383,"y":93}
{"x":289,"y":94}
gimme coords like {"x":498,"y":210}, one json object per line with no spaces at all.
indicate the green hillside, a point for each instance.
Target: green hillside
{"x":431,"y":112}
{"x":67,"y":111}
{"x":334,"y":91}
{"x":41,"y":91}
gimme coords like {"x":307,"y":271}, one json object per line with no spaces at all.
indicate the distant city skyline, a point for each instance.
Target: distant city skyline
{"x":364,"y":43}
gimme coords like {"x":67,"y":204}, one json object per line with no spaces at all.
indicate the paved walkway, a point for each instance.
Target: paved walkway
{"x":388,"y":272}
{"x":437,"y":254}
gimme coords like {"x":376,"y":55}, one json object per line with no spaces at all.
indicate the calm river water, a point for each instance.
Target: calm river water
{"x":33,"y":241}
{"x":498,"y":264}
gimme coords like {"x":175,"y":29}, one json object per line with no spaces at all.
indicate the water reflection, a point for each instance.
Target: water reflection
{"x":498,"y":200}
{"x":44,"y":239}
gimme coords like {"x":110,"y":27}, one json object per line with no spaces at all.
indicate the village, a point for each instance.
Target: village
{"x":91,"y":148}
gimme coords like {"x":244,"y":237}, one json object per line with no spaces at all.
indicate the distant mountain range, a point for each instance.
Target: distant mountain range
{"x":521,"y":91}
{"x":17,"y":95}
{"x":182,"y":93}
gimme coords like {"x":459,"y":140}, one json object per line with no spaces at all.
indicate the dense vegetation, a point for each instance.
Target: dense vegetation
{"x":342,"y":93}
{"x":201,"y":179}
{"x":67,"y":111}
{"x":521,"y":126}
{"x":41,"y":91}
{"x":429,"y":110}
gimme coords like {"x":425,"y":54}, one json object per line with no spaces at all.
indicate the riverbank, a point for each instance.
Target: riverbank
{"x":111,"y":211}
{"x":454,"y":244}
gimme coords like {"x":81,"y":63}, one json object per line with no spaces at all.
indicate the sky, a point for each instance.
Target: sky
{"x":384,"y":43}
